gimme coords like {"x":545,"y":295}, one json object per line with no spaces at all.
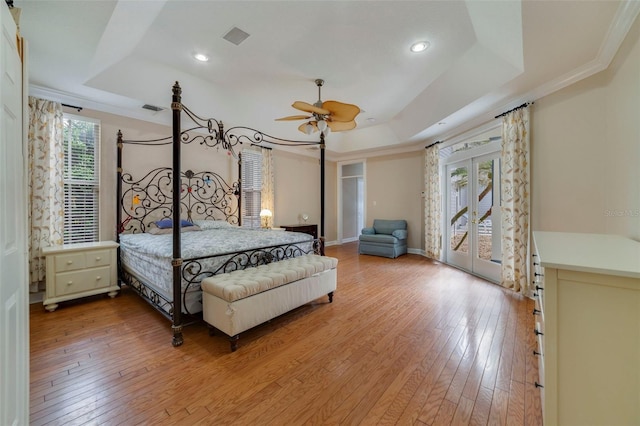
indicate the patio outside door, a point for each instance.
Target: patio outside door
{"x":473,"y":215}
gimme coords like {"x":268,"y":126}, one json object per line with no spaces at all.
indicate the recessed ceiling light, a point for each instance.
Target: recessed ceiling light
{"x":201,"y":57}
{"x":419,"y":46}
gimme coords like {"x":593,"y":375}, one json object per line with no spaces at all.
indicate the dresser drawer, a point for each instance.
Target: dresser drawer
{"x":78,"y":281}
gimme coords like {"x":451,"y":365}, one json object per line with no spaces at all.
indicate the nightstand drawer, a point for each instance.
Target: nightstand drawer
{"x":74,"y":282}
{"x":70,"y":262}
{"x":98,"y":258}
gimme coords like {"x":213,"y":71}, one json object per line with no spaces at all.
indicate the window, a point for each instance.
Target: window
{"x":251,"y":188}
{"x":81,"y":179}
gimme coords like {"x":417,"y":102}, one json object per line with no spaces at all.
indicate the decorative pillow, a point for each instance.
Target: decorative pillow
{"x":162,"y":231}
{"x":168,"y":223}
{"x":212,"y":224}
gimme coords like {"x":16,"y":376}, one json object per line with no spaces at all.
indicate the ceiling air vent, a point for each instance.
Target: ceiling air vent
{"x":152,"y":107}
{"x":236,"y":36}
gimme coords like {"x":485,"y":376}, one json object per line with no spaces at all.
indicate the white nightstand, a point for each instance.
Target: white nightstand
{"x":79,"y":270}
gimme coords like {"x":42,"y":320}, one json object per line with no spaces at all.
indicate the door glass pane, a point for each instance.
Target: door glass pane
{"x":484,"y":173}
{"x":458,"y":209}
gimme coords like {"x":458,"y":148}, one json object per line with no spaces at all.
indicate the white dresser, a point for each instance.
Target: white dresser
{"x":79,"y":270}
{"x":588,"y":328}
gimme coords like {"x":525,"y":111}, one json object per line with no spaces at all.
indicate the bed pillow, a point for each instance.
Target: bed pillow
{"x":212,"y":224}
{"x":162,"y":231}
{"x":168,"y":223}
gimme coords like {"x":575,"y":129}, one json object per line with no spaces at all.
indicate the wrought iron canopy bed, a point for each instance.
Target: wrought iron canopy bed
{"x":206,"y":200}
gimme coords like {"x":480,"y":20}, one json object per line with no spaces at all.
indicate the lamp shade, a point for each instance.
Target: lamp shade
{"x":308,"y":128}
{"x":265,"y":213}
{"x":322,"y":125}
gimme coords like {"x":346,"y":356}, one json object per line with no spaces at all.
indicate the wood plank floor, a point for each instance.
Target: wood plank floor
{"x":406,"y":341}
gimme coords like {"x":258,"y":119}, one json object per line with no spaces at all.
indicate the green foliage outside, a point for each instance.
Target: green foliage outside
{"x":80,"y":150}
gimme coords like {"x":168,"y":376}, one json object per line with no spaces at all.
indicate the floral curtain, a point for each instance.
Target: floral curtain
{"x":432,"y":202}
{"x":515,"y":200}
{"x":46,"y":184}
{"x":267,"y":192}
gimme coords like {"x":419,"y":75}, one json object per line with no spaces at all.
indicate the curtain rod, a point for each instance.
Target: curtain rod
{"x":430,"y":145}
{"x":524,"y":105}
{"x":72,"y":106}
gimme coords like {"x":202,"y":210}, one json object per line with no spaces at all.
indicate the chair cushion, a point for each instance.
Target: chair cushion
{"x":379,"y":238}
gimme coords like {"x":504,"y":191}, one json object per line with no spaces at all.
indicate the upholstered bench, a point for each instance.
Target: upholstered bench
{"x":236,"y":301}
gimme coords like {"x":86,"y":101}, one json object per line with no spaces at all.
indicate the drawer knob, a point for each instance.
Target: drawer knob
{"x":538,"y":275}
{"x":538,"y":333}
{"x":69,"y":262}
{"x":538,"y":385}
{"x":539,"y":288}
{"x":70,"y":283}
{"x":536,"y":353}
{"x":98,"y":278}
{"x":536,"y":312}
{"x":98,"y":258}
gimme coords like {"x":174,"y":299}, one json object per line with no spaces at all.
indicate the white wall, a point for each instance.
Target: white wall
{"x":586,"y":151}
{"x":394,"y":191}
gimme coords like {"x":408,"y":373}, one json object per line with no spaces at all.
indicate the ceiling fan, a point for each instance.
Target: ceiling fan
{"x":333,"y":115}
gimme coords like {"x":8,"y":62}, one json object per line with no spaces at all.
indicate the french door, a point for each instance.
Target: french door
{"x":473,"y":215}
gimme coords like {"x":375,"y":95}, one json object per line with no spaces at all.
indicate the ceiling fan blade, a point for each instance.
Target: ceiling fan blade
{"x":294,"y":117}
{"x":303,"y":126}
{"x":307,"y":107}
{"x":341,"y":126}
{"x":341,"y":111}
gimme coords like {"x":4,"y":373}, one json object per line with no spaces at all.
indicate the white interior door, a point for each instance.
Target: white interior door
{"x":473,"y":215}
{"x":14,"y":318}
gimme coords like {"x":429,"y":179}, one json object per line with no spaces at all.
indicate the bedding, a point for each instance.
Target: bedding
{"x":148,"y":256}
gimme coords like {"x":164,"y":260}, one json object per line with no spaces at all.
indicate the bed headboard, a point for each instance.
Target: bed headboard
{"x":203,"y":195}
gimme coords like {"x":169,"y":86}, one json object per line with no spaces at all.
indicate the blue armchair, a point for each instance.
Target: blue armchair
{"x":387,"y":238}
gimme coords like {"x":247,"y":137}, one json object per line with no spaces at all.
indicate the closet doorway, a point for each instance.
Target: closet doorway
{"x":472,"y":211}
{"x":351,"y":200}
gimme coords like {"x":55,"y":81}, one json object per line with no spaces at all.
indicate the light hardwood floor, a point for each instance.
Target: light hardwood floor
{"x":406,"y":341}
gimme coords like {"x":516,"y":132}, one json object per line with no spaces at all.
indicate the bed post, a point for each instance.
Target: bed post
{"x":119,"y":187}
{"x":176,"y":107}
{"x":239,"y":189}
{"x":322,"y":146}
{"x":119,"y":227}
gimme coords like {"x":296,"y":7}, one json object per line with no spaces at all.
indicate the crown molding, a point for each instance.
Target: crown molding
{"x":620,"y":25}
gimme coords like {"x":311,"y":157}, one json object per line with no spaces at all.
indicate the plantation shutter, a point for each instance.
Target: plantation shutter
{"x":81,"y":179}
{"x":251,"y":187}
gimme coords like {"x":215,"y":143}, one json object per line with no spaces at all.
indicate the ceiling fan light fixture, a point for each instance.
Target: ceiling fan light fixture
{"x":308,"y":128}
{"x":419,"y":46}
{"x":322,"y":125}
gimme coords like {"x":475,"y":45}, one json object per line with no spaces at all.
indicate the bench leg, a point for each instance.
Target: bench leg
{"x":233,"y":340}
{"x":330,"y":297}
